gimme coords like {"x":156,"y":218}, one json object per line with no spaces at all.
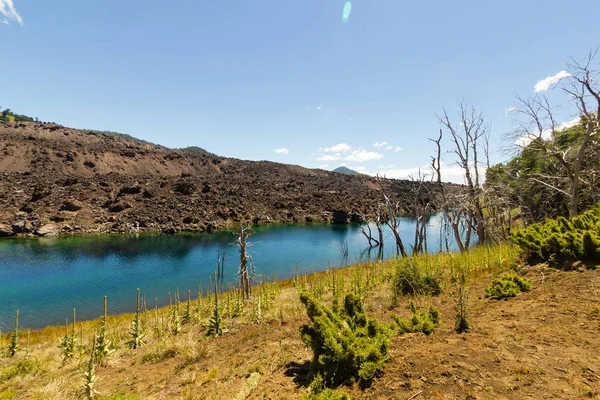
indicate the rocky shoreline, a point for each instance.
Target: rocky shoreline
{"x":57,"y":180}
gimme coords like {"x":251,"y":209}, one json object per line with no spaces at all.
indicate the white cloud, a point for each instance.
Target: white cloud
{"x":569,"y":124}
{"x":380,"y":144}
{"x":319,"y":107}
{"x":338,"y":148}
{"x":389,"y":147}
{"x":546,"y":133}
{"x":545,"y":84}
{"x":360,"y":169}
{"x":398,"y":149}
{"x":7,"y":9}
{"x":450,"y":173}
{"x":363,"y":156}
{"x":329,"y":157}
{"x":323,"y":166}
{"x":283,"y":150}
{"x":510,"y":109}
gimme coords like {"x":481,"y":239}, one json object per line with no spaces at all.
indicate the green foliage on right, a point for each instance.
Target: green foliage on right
{"x":346,"y":344}
{"x":413,"y":279}
{"x":421,"y":321}
{"x":507,"y":285}
{"x":560,"y":239}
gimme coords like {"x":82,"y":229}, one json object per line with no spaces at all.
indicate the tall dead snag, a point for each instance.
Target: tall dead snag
{"x":245,"y":274}
{"x":391,"y":211}
{"x":463,"y":209}
{"x":422,"y":209}
{"x":540,"y":131}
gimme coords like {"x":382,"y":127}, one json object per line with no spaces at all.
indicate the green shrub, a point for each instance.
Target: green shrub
{"x":507,"y":285}
{"x":327,"y":394}
{"x":23,"y":367}
{"x":561,"y":239}
{"x":412,"y":279}
{"x":420,"y":321}
{"x":461,"y":324}
{"x":346,"y":344}
{"x":158,"y":356}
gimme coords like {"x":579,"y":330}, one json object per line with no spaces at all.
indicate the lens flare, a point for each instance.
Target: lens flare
{"x":347,"y":11}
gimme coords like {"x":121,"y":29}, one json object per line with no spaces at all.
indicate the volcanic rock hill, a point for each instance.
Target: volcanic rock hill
{"x":59,"y":180}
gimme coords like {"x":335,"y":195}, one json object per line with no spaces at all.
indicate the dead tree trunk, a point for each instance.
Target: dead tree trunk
{"x":245,"y":276}
{"x":392,"y":221}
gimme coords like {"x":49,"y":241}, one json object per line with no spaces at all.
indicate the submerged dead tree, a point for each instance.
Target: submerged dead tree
{"x":422,"y":209}
{"x":245,"y":273}
{"x":391,"y":211}
{"x":463,"y":208}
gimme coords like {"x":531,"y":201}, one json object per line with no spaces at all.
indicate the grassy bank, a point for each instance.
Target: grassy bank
{"x":260,"y":354}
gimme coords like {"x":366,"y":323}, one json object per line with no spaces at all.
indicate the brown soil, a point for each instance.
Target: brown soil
{"x":86,"y":182}
{"x":541,"y":344}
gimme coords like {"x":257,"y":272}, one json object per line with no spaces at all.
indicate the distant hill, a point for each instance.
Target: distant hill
{"x":346,"y":171}
{"x":198,"y":150}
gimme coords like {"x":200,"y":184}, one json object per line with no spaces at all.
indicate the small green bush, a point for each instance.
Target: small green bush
{"x":421,"y":321}
{"x":327,"y":394}
{"x":461,"y":323}
{"x":507,"y":285}
{"x":411,"y":279}
{"x":560,"y":239}
{"x":23,"y":367}
{"x":346,"y":344}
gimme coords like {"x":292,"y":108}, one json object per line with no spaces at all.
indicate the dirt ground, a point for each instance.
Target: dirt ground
{"x":541,"y":344}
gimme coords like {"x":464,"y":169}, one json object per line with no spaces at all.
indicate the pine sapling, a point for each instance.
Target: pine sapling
{"x":67,"y":343}
{"x":137,"y":331}
{"x":215,"y":323}
{"x":256,"y":308}
{"x":199,"y":304}
{"x":13,"y":347}
{"x":174,"y":319}
{"x":103,"y":345}
{"x":90,"y":374}
{"x":187,"y":312}
{"x":462,"y":317}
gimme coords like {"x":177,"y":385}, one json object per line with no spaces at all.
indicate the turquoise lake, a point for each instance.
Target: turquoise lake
{"x":46,"y":278}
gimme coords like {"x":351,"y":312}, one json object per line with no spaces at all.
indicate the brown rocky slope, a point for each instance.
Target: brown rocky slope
{"x":57,"y":180}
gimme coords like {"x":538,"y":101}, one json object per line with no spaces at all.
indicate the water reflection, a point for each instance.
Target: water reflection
{"x":46,"y":278}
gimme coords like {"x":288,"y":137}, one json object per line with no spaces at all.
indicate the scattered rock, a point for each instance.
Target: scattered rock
{"x":129,"y":190}
{"x":6,"y":230}
{"x":340,"y":217}
{"x":354,"y":217}
{"x":22,"y":226}
{"x":47,"y":230}
{"x":27,"y":208}
{"x":70,"y":182}
{"x":71,"y":205}
{"x":184,"y":187}
{"x":39,"y":193}
{"x":119,"y":206}
{"x":89,"y":164}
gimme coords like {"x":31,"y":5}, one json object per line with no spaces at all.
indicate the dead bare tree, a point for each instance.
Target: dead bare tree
{"x":539,"y":129}
{"x":391,"y":211}
{"x":422,"y":209}
{"x":463,"y":209}
{"x":372,"y":241}
{"x":245,"y":273}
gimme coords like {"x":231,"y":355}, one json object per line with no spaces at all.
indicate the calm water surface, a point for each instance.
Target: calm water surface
{"x":46,"y":278}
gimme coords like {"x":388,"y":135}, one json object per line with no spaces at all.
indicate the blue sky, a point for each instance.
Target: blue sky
{"x":245,"y":78}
